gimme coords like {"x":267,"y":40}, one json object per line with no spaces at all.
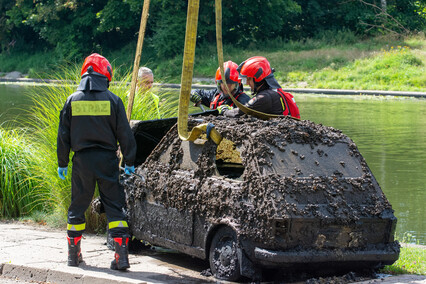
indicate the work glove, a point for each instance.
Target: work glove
{"x":129,"y":169}
{"x":195,"y":98}
{"x":223,"y":108}
{"x":62,"y":172}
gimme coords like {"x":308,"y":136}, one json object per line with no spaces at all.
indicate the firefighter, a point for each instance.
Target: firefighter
{"x":91,"y":122}
{"x":269,"y":97}
{"x":215,"y":98}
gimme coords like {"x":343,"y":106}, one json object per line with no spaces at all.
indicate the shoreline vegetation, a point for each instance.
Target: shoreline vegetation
{"x":340,"y":61}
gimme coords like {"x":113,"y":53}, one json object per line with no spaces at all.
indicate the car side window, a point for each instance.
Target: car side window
{"x":228,"y":160}
{"x":191,"y":152}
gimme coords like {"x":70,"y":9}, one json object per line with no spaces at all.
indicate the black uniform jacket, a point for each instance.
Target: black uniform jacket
{"x":266,"y":101}
{"x":94,"y":118}
{"x":209,"y":97}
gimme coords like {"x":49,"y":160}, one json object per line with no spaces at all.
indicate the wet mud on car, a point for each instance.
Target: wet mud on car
{"x":273,"y":194}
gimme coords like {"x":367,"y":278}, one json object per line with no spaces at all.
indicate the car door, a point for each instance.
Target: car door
{"x":166,"y":207}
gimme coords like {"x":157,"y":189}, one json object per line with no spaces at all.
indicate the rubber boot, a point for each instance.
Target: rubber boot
{"x":121,"y":256}
{"x":74,"y":251}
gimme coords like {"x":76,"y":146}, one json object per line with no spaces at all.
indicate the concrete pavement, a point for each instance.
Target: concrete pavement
{"x":35,"y":253}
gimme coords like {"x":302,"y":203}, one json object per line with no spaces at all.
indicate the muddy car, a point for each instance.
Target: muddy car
{"x":273,"y":194}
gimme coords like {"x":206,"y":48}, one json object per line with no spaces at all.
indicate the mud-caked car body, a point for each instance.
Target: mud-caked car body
{"x":273,"y":193}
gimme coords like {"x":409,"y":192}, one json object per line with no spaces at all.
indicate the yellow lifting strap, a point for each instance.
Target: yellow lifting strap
{"x":186,"y":80}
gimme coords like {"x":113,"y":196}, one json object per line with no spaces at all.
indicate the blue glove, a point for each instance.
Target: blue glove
{"x":223,"y":108}
{"x":129,"y":170}
{"x":62,"y":172}
{"x":195,"y":98}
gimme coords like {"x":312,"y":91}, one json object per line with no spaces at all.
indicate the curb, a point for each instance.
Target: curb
{"x":321,"y":91}
{"x":211,"y":87}
{"x":53,"y":276}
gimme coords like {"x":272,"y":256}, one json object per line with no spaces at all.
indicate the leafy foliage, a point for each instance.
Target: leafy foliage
{"x":76,"y":28}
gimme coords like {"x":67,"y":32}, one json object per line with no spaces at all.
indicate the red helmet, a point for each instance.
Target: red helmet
{"x":99,"y":64}
{"x":256,"y":67}
{"x":231,"y":73}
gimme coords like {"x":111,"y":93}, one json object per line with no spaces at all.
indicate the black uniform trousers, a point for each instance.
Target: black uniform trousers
{"x":91,"y":166}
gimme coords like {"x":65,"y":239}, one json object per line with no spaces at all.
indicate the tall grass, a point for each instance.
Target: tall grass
{"x":144,"y":104}
{"x":20,"y":191}
{"x":48,"y":102}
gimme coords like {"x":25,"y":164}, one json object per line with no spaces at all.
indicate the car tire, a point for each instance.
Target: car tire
{"x":223,"y":256}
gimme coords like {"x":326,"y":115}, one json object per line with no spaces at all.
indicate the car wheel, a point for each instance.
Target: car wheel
{"x":223,"y":255}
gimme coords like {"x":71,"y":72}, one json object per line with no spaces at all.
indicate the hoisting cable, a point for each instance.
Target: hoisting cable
{"x":243,"y":108}
{"x":186,"y":81}
{"x":142,"y":27}
{"x":144,"y":18}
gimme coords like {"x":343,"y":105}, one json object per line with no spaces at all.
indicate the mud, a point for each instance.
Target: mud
{"x":291,"y":189}
{"x":268,"y":195}
{"x":350,"y":277}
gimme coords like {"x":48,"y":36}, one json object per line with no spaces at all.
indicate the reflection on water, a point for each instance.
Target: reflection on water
{"x":391,"y":135}
{"x":389,"y":132}
{"x":13,"y":102}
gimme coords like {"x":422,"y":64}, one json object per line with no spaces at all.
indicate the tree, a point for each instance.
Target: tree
{"x":384,"y":5}
{"x":75,"y":28}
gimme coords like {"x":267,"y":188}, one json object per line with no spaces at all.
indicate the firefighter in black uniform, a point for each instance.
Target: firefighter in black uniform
{"x":92,"y":120}
{"x":269,"y":97}
{"x":215,"y":98}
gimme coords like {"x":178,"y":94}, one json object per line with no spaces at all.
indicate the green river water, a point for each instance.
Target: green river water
{"x":390,"y":133}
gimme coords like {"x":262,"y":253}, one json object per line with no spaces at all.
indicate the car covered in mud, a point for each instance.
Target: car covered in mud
{"x":277,"y":193}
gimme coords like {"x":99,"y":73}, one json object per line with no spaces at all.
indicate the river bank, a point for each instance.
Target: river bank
{"x":13,"y":78}
{"x":381,"y":63}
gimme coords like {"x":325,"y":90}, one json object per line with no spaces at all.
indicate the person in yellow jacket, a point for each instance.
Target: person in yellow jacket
{"x":143,"y":92}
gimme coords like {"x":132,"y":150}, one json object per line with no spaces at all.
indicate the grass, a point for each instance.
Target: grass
{"x":399,"y":68}
{"x":339,"y":60}
{"x":385,"y":63}
{"x":412,"y":259}
{"x":20,"y":190}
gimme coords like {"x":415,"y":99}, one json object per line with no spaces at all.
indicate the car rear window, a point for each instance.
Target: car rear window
{"x":304,"y":160}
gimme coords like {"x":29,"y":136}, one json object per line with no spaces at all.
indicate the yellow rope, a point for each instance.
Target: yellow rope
{"x":242,"y":107}
{"x":187,"y":71}
{"x":186,"y":79}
